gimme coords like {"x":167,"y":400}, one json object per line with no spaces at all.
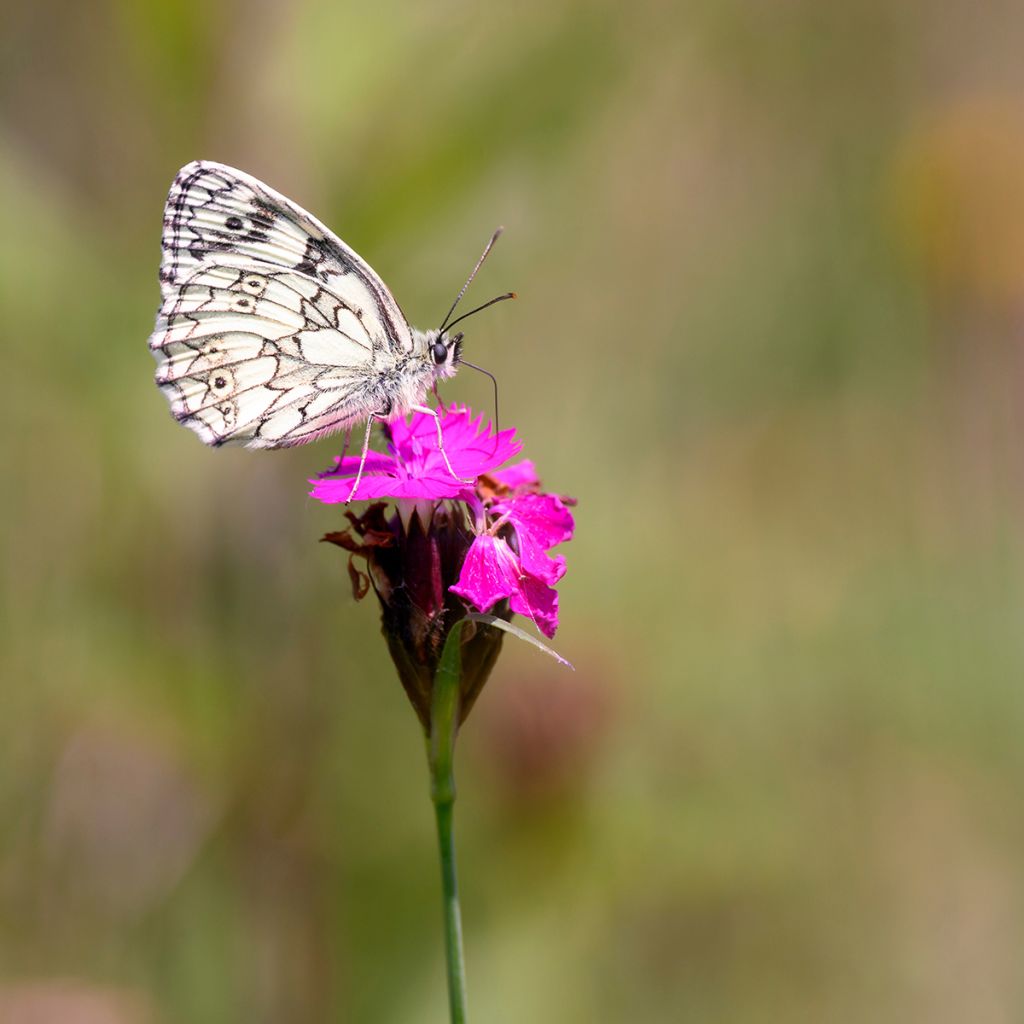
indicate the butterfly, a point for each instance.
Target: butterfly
{"x":272,"y":332}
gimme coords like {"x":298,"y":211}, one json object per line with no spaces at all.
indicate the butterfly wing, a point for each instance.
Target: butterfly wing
{"x":272,"y":331}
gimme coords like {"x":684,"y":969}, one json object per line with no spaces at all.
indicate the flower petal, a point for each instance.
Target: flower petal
{"x":334,"y":489}
{"x":376,"y":462}
{"x":415,"y":467}
{"x":544,"y":516}
{"x":537,"y":601}
{"x":550,"y":569}
{"x":489,"y":573}
{"x":470,"y":445}
{"x":520,"y":474}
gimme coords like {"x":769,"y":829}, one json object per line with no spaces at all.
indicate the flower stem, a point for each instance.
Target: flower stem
{"x":444,"y":718}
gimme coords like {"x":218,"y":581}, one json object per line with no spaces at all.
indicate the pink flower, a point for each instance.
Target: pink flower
{"x":518,"y":566}
{"x":414,"y":467}
{"x":508,"y":524}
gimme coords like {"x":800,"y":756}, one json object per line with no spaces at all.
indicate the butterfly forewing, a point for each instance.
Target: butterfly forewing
{"x":271,"y":331}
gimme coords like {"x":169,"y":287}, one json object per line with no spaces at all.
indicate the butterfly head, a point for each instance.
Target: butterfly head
{"x":445,"y":352}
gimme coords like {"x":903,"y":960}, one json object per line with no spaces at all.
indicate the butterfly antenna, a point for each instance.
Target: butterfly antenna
{"x":494,"y":381}
{"x":499,"y":298}
{"x":469,"y":280}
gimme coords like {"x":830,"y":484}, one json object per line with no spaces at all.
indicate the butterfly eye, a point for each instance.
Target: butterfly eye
{"x":439,"y":351}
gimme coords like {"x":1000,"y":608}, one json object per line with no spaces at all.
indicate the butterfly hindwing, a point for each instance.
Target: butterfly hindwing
{"x":271,"y":330}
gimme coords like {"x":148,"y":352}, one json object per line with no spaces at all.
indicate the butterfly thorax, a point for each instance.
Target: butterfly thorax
{"x":406,"y":383}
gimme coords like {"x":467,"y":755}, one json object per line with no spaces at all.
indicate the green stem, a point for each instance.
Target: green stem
{"x":444,"y":719}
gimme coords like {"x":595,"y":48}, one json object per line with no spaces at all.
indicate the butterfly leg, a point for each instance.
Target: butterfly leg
{"x":362,"y":461}
{"x":440,"y":441}
{"x":346,"y":440}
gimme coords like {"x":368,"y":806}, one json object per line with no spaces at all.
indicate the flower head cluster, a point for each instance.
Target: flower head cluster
{"x":447,"y":542}
{"x":514,"y":524}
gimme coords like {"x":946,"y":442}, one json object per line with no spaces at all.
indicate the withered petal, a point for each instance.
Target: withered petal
{"x":360,"y":581}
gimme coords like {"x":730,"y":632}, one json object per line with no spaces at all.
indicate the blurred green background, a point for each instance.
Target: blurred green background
{"x":770,"y":259}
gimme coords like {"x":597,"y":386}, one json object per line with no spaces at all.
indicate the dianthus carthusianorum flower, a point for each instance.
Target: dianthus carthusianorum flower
{"x":446,"y":544}
{"x":447,"y":531}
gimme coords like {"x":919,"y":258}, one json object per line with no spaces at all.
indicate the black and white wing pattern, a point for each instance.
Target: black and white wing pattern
{"x":271,"y":331}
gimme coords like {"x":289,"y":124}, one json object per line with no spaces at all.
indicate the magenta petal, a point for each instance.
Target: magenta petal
{"x":337,"y":489}
{"x":470,"y":445}
{"x":489,"y":573}
{"x":522,"y":474}
{"x":415,"y":467}
{"x":550,"y":569}
{"x":330,"y":490}
{"x":543,"y":516}
{"x":539,"y":602}
{"x":400,"y":432}
{"x":376,"y":462}
{"x":419,"y":431}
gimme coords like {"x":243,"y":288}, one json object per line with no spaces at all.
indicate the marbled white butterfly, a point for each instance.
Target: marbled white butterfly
{"x":273,"y":332}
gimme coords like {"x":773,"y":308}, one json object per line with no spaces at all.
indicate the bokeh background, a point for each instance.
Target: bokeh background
{"x":770,"y":259}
